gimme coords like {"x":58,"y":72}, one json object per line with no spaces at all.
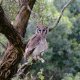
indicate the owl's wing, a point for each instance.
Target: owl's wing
{"x":33,"y":42}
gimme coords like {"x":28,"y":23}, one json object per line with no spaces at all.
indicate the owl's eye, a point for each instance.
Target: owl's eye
{"x":39,"y":30}
{"x":43,"y":30}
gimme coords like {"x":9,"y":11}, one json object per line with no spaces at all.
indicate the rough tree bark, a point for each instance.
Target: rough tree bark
{"x":15,"y":49}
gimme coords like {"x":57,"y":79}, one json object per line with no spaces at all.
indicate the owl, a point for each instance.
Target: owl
{"x":37,"y":44}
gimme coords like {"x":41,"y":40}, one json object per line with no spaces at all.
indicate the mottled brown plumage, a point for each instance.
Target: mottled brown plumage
{"x":37,"y":44}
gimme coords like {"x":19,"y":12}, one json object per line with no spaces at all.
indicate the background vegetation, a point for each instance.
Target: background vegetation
{"x":62,"y":59}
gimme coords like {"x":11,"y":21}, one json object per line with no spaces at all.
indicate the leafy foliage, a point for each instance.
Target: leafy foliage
{"x":62,"y":59}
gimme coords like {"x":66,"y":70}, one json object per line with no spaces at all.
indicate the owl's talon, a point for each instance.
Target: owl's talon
{"x":42,"y":60}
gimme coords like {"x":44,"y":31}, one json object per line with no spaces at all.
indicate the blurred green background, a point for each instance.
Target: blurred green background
{"x":62,"y":60}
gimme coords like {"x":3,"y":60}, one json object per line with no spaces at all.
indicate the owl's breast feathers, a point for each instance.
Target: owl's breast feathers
{"x":35,"y":46}
{"x":41,"y":48}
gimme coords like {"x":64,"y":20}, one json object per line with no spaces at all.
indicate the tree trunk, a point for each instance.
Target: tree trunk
{"x":15,"y":49}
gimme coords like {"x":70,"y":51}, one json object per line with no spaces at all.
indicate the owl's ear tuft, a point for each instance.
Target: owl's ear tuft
{"x":37,"y":26}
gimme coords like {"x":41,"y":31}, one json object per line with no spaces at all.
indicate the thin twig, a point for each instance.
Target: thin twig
{"x":62,"y":11}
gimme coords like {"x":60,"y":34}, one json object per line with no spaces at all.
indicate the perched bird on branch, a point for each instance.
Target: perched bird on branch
{"x":37,"y":44}
{"x":35,"y":48}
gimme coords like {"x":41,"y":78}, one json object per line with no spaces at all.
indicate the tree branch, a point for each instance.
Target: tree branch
{"x":13,"y":54}
{"x":14,"y":38}
{"x":22,"y":18}
{"x":62,"y":11}
{"x":8,"y":30}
